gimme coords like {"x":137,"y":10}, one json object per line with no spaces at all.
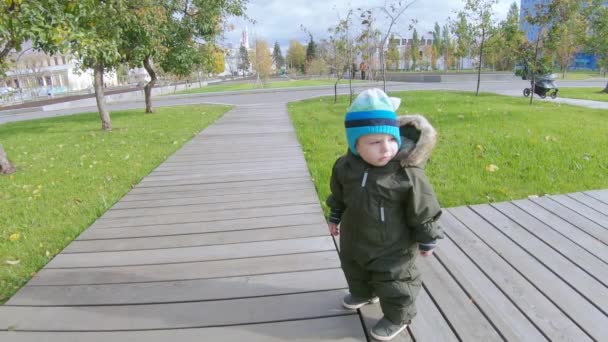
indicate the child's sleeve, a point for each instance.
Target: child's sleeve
{"x":422,"y":209}
{"x":334,"y":200}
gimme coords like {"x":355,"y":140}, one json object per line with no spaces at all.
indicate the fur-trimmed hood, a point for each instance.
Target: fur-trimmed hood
{"x":418,"y":140}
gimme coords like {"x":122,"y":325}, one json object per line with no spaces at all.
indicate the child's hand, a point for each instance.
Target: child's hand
{"x":333,"y":229}
{"x":426,"y":253}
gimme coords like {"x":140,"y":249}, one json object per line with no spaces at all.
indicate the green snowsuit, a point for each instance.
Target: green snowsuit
{"x":386,"y":212}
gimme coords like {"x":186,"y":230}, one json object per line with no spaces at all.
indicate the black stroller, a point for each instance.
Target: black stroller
{"x":544,"y":86}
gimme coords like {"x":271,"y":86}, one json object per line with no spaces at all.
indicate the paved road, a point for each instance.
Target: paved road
{"x":512,"y":88}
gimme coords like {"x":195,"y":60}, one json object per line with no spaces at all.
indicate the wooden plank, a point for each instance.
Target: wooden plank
{"x":575,"y":253}
{"x":175,"y":315}
{"x":567,"y":271}
{"x":192,"y":254}
{"x":512,"y":322}
{"x":182,"y":291}
{"x":566,"y":229}
{"x":457,"y":307}
{"x":190,"y":240}
{"x":429,"y":325}
{"x":186,"y":271}
{"x":591,"y":202}
{"x":172,"y":207}
{"x":228,"y":179}
{"x":574,"y":218}
{"x":215,"y":168}
{"x":216,"y":187}
{"x":222,"y":177}
{"x":530,"y":301}
{"x":585,"y":314}
{"x":582,"y":209}
{"x":296,"y":221}
{"x":600,"y":195}
{"x":208,"y":216}
{"x":337,"y":328}
{"x":305,"y":185}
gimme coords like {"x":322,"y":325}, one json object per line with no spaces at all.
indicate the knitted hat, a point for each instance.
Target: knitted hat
{"x":372,"y":112}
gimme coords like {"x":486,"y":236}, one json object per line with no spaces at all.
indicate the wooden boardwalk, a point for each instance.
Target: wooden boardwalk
{"x":226,"y":241}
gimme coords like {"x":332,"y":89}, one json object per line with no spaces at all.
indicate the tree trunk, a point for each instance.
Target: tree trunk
{"x":149,"y":85}
{"x":483,"y":35}
{"x":106,"y":123}
{"x":606,"y":89}
{"x":382,"y":62}
{"x":5,"y":165}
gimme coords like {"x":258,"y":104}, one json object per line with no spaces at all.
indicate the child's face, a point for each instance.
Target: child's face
{"x":377,"y":149}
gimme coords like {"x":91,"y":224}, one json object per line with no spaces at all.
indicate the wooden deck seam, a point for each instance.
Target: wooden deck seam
{"x":594,"y":197}
{"x":173,"y":302}
{"x":187,"y":327}
{"x":570,"y":221}
{"x":186,"y":279}
{"x":199,"y":233}
{"x":182,"y":262}
{"x":539,"y":289}
{"x":543,"y":263}
{"x":205,"y":245}
{"x":496,"y":285}
{"x":549,"y":245}
{"x":559,"y":232}
{"x":585,"y":204}
{"x":576,"y":211}
{"x":223,"y":182}
{"x":184,"y":222}
{"x":441,"y":312}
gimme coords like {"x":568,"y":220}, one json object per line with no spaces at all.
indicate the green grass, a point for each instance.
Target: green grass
{"x":69,"y":173}
{"x":270,"y":85}
{"x":595,"y":94}
{"x":541,"y":149}
{"x":579,"y":75}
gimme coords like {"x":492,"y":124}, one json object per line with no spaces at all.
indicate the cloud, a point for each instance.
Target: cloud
{"x":279,"y":20}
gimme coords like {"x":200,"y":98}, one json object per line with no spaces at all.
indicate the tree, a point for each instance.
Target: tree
{"x":597,"y":41}
{"x":570,"y":39}
{"x":447,"y":47}
{"x":296,"y":56}
{"x":415,"y":51}
{"x":311,"y":50}
{"x":40,"y":22}
{"x":392,"y":55}
{"x":340,"y":49}
{"x":462,"y":32}
{"x":508,"y":37}
{"x":170,"y":32}
{"x":479,"y":13}
{"x":536,"y":56}
{"x":96,"y":39}
{"x":243,"y":63}
{"x":277,"y":56}
{"x":392,"y":12}
{"x":438,"y":45}
{"x":263,"y":60}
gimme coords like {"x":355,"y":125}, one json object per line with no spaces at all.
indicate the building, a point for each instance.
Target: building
{"x":35,"y":73}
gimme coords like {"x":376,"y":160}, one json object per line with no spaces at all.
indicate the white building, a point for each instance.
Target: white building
{"x":35,"y":73}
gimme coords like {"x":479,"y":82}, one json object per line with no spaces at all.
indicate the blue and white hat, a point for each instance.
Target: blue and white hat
{"x":372,"y":112}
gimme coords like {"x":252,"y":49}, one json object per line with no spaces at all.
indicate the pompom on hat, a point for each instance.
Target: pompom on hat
{"x":372,"y":112}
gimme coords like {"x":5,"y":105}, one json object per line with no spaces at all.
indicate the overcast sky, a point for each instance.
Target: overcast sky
{"x":280,"y":20}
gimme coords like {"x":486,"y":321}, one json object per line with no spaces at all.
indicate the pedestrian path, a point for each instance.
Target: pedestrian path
{"x":226,"y":241}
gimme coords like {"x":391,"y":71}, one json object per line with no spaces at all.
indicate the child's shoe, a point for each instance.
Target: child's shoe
{"x":353,"y":303}
{"x":386,"y":330}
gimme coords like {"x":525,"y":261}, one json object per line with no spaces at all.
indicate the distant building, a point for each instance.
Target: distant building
{"x":34,"y":73}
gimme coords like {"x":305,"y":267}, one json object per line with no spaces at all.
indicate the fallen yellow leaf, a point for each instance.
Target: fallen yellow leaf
{"x":12,"y":262}
{"x":14,"y":237}
{"x":491,"y":168}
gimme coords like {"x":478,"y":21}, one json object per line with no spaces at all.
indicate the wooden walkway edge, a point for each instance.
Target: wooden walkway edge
{"x":226,"y":241}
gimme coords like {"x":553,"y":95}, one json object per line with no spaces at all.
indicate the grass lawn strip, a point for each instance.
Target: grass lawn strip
{"x":270,"y":85}
{"x":490,"y":148}
{"x":584,"y":93}
{"x":69,"y":173}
